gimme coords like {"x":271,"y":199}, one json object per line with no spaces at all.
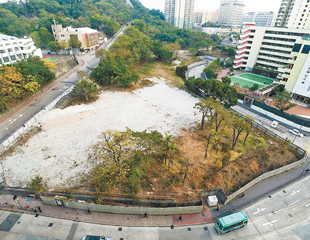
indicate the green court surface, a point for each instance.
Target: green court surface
{"x":53,"y":59}
{"x":249,"y":79}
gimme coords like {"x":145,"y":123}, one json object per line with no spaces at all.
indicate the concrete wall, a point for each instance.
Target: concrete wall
{"x":123,"y":209}
{"x":263,"y":177}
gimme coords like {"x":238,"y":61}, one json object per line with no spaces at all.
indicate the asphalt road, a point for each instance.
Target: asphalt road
{"x":9,"y":127}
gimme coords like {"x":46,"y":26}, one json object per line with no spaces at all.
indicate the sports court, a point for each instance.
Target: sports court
{"x":53,"y":59}
{"x":249,"y":79}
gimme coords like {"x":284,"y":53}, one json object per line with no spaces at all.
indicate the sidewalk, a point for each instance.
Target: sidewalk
{"x":14,"y":111}
{"x":103,"y":218}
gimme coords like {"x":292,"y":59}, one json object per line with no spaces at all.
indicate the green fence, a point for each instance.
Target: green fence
{"x":292,"y":118}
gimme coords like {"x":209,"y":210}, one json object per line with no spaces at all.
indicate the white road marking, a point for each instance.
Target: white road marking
{"x":267,"y":236}
{"x":285,"y":229}
{"x":308,"y":205}
{"x":294,"y":192}
{"x":255,"y":221}
{"x":259,"y":210}
{"x":307,"y":219}
{"x":293,"y":203}
{"x":270,"y":223}
{"x":306,"y":195}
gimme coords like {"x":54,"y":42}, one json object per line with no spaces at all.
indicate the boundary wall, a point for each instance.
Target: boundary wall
{"x":123,"y":209}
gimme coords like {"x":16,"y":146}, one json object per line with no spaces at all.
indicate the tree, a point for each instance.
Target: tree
{"x":181,"y":71}
{"x":211,"y":139}
{"x":168,"y":148}
{"x":54,"y":46}
{"x":210,"y":73}
{"x":220,"y":115}
{"x":36,"y":185}
{"x":111,"y":155}
{"x":85,"y":89}
{"x":205,"y":107}
{"x":254,"y":87}
{"x":63,"y":45}
{"x":248,"y":127}
{"x":231,"y":69}
{"x":282,"y":101}
{"x":238,"y":127}
{"x":74,"y":42}
{"x":226,"y":80}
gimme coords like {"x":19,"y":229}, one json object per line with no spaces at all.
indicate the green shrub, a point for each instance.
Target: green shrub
{"x":261,"y":140}
{"x":263,"y":145}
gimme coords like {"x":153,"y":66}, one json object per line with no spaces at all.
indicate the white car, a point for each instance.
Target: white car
{"x":91,"y":237}
{"x":296,"y":132}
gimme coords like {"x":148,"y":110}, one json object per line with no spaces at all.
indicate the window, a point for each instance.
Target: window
{"x":296,"y":47}
{"x":306,"y":49}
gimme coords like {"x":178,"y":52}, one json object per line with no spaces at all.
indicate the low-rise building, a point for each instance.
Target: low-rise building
{"x":13,"y":49}
{"x":87,"y":36}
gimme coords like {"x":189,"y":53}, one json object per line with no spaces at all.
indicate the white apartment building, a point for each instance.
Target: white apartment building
{"x":180,"y":13}
{"x":293,"y":14}
{"x":13,"y":49}
{"x":87,"y":36}
{"x":231,"y":12}
{"x":266,"y":47}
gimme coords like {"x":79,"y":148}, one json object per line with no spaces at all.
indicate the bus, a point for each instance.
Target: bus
{"x":231,"y":222}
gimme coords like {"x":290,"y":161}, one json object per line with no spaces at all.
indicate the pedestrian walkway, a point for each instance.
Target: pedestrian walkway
{"x":8,"y":204}
{"x":14,"y":111}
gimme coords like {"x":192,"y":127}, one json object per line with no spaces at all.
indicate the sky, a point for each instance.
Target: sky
{"x":211,"y":5}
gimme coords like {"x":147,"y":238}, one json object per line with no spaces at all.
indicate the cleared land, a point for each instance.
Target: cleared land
{"x":59,"y":152}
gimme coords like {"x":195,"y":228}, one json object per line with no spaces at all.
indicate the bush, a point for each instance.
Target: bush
{"x":181,"y":71}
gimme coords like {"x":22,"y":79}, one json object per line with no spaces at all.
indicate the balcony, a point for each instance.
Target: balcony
{"x":269,"y":64}
{"x":276,"y":53}
{"x":279,"y":42}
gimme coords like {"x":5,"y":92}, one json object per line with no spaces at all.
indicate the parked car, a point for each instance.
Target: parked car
{"x":296,"y":132}
{"x":91,"y":237}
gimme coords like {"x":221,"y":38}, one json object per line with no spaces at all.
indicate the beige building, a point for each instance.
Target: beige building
{"x":87,"y":36}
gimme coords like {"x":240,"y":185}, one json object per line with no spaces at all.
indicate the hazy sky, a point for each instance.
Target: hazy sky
{"x":211,"y":5}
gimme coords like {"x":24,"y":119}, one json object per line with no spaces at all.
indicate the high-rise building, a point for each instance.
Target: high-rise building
{"x":293,"y":14}
{"x":261,"y":19}
{"x":231,"y":12}
{"x":202,"y":16}
{"x":180,"y":13}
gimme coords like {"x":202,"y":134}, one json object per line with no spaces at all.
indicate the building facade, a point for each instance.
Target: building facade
{"x":180,"y":13}
{"x":281,"y":50}
{"x":13,"y":49}
{"x":293,"y":14}
{"x":230,"y":13}
{"x":87,"y":36}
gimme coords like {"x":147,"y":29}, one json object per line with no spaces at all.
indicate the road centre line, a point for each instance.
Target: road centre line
{"x":306,"y":195}
{"x":293,"y":203}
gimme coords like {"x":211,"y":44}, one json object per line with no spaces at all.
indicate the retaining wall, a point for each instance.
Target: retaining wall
{"x":263,"y":177}
{"x":124,"y":210}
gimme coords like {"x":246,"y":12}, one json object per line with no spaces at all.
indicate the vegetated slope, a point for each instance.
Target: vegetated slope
{"x":34,"y":17}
